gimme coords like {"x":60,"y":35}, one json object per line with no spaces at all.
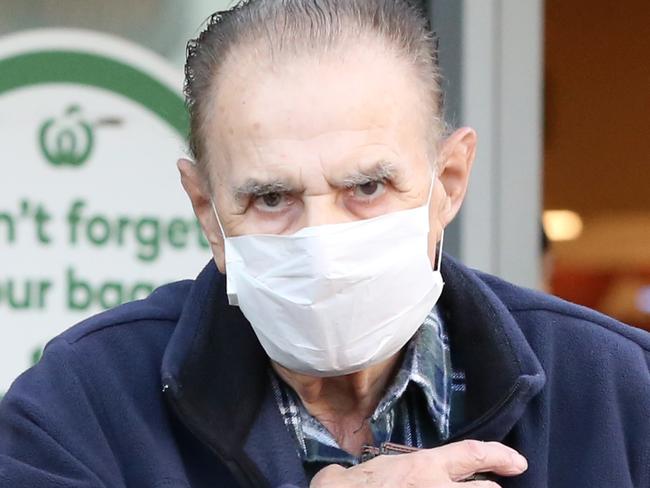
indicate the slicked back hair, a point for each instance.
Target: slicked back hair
{"x":305,"y":27}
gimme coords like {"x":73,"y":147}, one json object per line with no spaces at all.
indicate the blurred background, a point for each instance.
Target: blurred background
{"x":558,"y":91}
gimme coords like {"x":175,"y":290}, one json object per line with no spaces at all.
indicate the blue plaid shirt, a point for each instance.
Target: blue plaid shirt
{"x":419,"y":409}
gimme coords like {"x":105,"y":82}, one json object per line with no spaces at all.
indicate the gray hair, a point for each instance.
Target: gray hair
{"x":305,"y":26}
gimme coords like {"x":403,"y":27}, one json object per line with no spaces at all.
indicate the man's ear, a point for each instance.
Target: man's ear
{"x":197,"y":188}
{"x":455,"y":162}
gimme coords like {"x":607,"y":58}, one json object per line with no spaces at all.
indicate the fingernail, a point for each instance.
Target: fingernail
{"x":520,"y":462}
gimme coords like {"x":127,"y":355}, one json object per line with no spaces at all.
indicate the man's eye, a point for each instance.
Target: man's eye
{"x":272,"y":199}
{"x":272,"y":202}
{"x":369,"y":190}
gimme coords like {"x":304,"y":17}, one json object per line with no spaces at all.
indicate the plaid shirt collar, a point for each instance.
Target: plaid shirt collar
{"x":426,"y":365}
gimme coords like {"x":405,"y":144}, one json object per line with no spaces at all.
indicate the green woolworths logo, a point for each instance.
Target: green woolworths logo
{"x":67,"y":141}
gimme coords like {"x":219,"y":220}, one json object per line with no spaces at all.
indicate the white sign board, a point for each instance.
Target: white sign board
{"x":91,"y":210}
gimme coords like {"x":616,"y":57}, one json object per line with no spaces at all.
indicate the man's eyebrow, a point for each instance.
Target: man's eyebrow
{"x":380,"y":171}
{"x":255,"y":188}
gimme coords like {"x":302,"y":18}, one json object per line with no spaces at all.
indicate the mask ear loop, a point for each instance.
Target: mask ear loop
{"x":438,"y":264}
{"x":433,"y":181}
{"x":439,"y":244}
{"x":216,"y":214}
{"x":231,"y":289}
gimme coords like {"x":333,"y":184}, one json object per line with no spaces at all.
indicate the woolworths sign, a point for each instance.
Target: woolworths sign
{"x":91,"y":211}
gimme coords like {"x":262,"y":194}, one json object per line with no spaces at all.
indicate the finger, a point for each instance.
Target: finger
{"x":477,"y":484}
{"x":463,"y":459}
{"x":327,"y":477}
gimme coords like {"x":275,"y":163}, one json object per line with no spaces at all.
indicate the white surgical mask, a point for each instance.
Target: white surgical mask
{"x":335,"y":299}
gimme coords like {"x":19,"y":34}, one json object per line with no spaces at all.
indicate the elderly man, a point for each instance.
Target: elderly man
{"x":319,"y":348}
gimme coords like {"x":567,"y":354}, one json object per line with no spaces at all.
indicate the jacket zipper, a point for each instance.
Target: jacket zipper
{"x":242,"y":477}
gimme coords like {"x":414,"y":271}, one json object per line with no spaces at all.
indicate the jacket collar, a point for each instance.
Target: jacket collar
{"x":502,"y":372}
{"x":214,"y":372}
{"x":215,"y":375}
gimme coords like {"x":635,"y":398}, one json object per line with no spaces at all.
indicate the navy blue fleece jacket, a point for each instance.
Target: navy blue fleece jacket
{"x":173,"y":391}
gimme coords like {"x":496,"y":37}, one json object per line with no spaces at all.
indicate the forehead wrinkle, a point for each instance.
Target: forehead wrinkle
{"x":253,"y":118}
{"x":261,"y":134}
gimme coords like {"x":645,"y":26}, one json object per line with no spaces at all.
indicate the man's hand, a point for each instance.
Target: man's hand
{"x":441,"y":467}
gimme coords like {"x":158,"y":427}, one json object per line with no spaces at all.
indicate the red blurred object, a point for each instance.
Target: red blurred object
{"x":615,"y":293}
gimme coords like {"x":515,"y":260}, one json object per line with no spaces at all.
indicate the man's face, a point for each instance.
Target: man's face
{"x":311,"y":141}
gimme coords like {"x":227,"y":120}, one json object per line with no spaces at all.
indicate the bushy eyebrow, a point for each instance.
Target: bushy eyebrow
{"x":381,"y":171}
{"x":256,"y":188}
